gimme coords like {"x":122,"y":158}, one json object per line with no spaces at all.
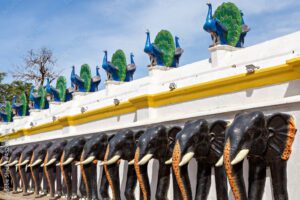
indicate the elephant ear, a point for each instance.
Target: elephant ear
{"x":172,"y":132}
{"x":217,"y":139}
{"x":282,"y":131}
{"x":137,"y":135}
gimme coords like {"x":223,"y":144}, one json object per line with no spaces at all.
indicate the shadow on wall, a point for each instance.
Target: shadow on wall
{"x":292,"y":89}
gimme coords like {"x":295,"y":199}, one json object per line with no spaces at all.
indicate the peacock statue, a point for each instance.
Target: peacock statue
{"x":21,"y":108}
{"x":117,"y":69}
{"x":6,"y":113}
{"x":39,"y":98}
{"x":60,"y":93}
{"x":95,"y":81}
{"x":130,"y":69}
{"x":163,"y":51}
{"x":226,"y":26}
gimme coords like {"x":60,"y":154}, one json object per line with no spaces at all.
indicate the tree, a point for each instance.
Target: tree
{"x":38,"y":65}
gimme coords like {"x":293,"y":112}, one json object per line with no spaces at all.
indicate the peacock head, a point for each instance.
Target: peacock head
{"x":209,"y":4}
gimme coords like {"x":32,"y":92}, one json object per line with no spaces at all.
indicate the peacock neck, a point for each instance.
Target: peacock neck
{"x":97,"y":71}
{"x":148,"y":42}
{"x":105,"y":58}
{"x":131,"y":59}
{"x":209,"y":13}
{"x":177,"y":42}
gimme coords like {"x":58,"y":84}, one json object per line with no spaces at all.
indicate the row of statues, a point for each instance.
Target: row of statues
{"x":265,"y":140}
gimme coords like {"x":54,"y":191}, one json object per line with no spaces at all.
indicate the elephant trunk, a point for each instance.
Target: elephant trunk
{"x":163,"y":181}
{"x":104,"y":187}
{"x":89,"y":177}
{"x":181,"y":174}
{"x":49,"y":172}
{"x":142,"y":176}
{"x":13,"y":174}
{"x":66,"y":173}
{"x":203,"y":180}
{"x":130,"y":183}
{"x":234,"y":174}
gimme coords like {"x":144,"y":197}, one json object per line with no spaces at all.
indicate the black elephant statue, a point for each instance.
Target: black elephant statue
{"x":53,"y":172}
{"x":71,"y":155}
{"x":25,"y":173}
{"x":37,"y":172}
{"x":155,"y":143}
{"x":13,"y":170}
{"x":121,"y":146}
{"x":267,"y":142}
{"x":94,"y":151}
{"x":205,"y":142}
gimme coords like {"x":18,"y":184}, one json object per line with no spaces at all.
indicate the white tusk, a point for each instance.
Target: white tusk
{"x":23,"y":163}
{"x":186,"y":158}
{"x":131,"y":162}
{"x":88,"y":160}
{"x":58,"y":164}
{"x":111,"y":161}
{"x":240,"y":156}
{"x":38,"y":161}
{"x":50,"y":162}
{"x":220,"y":162}
{"x":68,"y":161}
{"x":4,"y":163}
{"x":145,"y":159}
{"x":42,"y":165}
{"x":12,"y":164}
{"x":169,"y":162}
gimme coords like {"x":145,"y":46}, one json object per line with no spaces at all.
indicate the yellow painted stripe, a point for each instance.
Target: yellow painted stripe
{"x":262,"y":77}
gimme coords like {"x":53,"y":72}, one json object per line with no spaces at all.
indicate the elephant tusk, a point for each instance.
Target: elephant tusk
{"x":4,"y":163}
{"x":220,"y":162}
{"x":58,"y":164}
{"x":12,"y":164}
{"x":23,"y":163}
{"x":50,"y":162}
{"x":68,"y":161}
{"x":88,"y":160}
{"x":131,"y":162}
{"x":186,"y":158}
{"x":145,"y":159}
{"x":240,"y":156}
{"x":169,"y":162}
{"x":43,"y":164}
{"x":111,"y":161}
{"x":38,"y":161}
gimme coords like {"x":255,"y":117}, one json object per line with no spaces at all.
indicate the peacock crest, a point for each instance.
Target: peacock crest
{"x":165,"y":42}
{"x":119,"y":61}
{"x":230,"y":16}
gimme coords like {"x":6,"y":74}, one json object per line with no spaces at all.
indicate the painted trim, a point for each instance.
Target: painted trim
{"x":261,"y":77}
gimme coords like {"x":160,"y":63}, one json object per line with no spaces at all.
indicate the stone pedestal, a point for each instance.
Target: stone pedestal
{"x":219,"y":54}
{"x":77,"y":95}
{"x":34,"y":112}
{"x":18,"y":118}
{"x":152,"y":71}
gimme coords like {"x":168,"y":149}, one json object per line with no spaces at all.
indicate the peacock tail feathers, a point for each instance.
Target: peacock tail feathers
{"x":42,"y":93}
{"x":230,"y":16}
{"x":165,"y":42}
{"x":24,"y":103}
{"x":85,"y":74}
{"x":8,"y":111}
{"x":119,"y":60}
{"x":61,"y":86}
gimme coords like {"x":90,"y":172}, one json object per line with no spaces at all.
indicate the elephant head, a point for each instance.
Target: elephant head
{"x":5,"y":154}
{"x":155,"y":143}
{"x":94,"y":150}
{"x":52,"y":171}
{"x":267,"y":141}
{"x":204,"y":141}
{"x":37,"y":159}
{"x":71,"y":153}
{"x":121,"y":146}
{"x":13,"y":161}
{"x":23,"y":162}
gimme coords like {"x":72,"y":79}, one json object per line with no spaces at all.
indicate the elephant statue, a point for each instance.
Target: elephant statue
{"x":121,"y":146}
{"x":37,"y":172}
{"x":24,"y":172}
{"x":53,"y":172}
{"x":94,"y":150}
{"x":205,"y":142}
{"x":13,"y":170}
{"x":71,"y":154}
{"x":155,"y":143}
{"x":267,"y":142}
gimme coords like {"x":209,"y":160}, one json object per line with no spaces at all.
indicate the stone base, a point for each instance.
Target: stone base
{"x":154,"y":69}
{"x":220,"y":53}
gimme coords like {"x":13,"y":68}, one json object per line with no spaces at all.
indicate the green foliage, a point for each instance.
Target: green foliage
{"x":42,"y":93}
{"x":8,"y":111}
{"x":165,"y":42}
{"x":61,"y":85}
{"x":85,"y":74}
{"x":119,"y":60}
{"x":230,"y":16}
{"x":24,"y":102}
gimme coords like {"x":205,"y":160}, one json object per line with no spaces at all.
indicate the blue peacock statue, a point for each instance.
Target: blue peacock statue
{"x":130,"y":69}
{"x":111,"y":70}
{"x":245,"y":30}
{"x":163,"y":51}
{"x":95,"y":81}
{"x":6,"y":114}
{"x":77,"y":81}
{"x":60,"y":93}
{"x":21,"y":108}
{"x":39,"y":98}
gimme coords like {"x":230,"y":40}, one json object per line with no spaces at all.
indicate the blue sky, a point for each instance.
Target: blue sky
{"x":79,"y":31}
